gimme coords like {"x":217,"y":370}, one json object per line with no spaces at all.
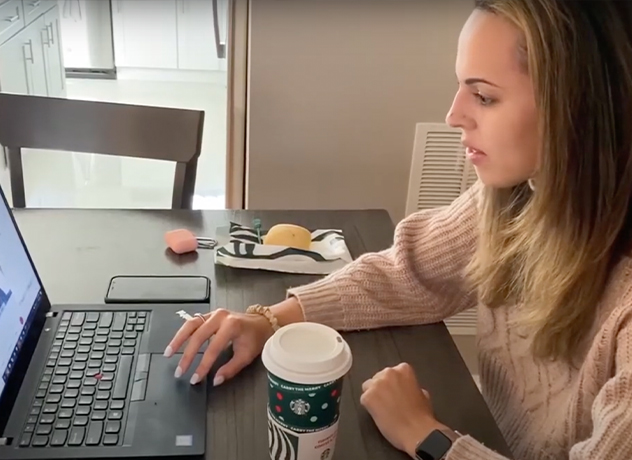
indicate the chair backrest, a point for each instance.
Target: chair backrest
{"x":105,"y":128}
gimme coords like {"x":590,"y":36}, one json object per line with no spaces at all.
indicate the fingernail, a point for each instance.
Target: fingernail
{"x":195,"y":379}
{"x":178,"y":373}
{"x":218,"y":380}
{"x":168,"y":352}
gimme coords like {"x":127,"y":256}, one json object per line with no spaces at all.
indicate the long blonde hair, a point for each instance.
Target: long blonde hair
{"x":551,"y":250}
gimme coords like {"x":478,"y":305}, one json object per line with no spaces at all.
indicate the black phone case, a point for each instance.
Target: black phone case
{"x":142,"y":289}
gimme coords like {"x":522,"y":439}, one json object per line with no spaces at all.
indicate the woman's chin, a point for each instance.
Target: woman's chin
{"x":489,"y":179}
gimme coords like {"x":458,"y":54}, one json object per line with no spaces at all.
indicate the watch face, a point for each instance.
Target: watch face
{"x":434,"y":447}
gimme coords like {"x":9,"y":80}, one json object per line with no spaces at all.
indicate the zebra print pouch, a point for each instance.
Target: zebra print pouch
{"x":240,"y":248}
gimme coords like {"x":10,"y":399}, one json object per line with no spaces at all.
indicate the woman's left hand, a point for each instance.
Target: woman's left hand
{"x":400,"y":408}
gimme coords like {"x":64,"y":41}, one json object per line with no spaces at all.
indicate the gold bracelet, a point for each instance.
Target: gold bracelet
{"x":266,"y":313}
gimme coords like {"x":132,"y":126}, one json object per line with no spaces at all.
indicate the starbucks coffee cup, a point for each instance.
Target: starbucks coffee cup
{"x":306,"y":363}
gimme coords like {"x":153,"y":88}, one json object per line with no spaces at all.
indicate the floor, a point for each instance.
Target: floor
{"x":60,"y":179}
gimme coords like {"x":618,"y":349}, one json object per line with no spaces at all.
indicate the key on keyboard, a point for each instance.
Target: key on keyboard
{"x":85,"y":387}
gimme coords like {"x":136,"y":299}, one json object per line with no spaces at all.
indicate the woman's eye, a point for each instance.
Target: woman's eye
{"x":484,"y":100}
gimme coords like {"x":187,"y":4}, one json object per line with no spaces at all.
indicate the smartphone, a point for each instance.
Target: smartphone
{"x":159,"y":289}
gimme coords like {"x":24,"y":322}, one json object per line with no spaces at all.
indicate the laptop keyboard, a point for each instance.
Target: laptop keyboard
{"x":83,"y":395}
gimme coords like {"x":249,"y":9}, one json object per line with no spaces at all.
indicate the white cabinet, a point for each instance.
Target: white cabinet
{"x":86,"y":33}
{"x":51,"y":41}
{"x":33,"y":45}
{"x":168,"y":34}
{"x":13,"y":77}
{"x":196,"y":36}
{"x":145,"y":33}
{"x":11,"y":18}
{"x":22,"y":68}
{"x":33,"y":9}
{"x":30,"y":61}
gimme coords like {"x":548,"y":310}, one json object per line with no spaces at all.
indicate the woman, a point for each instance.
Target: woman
{"x":541,"y":245}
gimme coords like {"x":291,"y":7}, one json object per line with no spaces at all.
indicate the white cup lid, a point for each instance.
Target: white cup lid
{"x":307,"y":353}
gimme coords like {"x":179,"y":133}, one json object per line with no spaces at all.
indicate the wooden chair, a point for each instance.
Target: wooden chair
{"x":104,"y":128}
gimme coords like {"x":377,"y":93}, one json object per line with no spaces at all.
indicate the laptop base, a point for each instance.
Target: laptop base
{"x":155,"y":415}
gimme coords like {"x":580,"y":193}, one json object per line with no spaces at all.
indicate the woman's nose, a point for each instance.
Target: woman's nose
{"x":457,"y":117}
{"x":451,"y":119}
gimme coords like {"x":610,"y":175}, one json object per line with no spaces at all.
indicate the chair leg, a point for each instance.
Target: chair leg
{"x":184,"y":185}
{"x":16,"y":173}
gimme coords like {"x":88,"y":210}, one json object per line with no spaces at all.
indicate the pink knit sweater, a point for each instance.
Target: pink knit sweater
{"x":549,"y":410}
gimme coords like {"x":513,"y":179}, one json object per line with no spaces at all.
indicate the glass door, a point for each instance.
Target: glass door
{"x":168,"y":53}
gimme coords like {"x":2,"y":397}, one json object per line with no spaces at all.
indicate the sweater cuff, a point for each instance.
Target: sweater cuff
{"x":468,"y":448}
{"x":321,"y":303}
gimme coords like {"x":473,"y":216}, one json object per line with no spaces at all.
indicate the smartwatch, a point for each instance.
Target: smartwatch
{"x":436,"y":445}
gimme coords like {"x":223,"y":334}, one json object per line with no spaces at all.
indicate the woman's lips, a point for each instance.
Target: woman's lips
{"x":474,"y":155}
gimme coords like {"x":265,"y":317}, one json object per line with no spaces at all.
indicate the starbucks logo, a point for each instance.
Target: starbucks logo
{"x":299,"y":407}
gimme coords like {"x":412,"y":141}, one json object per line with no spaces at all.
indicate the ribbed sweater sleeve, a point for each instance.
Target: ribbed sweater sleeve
{"x":611,"y":412}
{"x":418,"y":280}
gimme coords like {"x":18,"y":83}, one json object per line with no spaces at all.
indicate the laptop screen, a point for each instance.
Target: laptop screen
{"x":20,"y":294}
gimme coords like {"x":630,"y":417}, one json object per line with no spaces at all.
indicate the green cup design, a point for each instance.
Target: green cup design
{"x":304,"y":408}
{"x":306,"y":365}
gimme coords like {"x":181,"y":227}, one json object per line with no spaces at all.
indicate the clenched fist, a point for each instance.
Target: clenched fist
{"x":400,"y":408}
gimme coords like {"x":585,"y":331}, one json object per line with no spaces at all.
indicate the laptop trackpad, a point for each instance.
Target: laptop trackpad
{"x":171,"y":420}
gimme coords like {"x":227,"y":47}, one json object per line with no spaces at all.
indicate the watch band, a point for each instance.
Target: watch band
{"x":453,"y":435}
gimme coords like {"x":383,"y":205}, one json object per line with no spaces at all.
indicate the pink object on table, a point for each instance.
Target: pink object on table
{"x":181,"y":241}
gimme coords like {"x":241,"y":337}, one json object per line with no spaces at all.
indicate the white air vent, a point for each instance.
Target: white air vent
{"x":439,"y":174}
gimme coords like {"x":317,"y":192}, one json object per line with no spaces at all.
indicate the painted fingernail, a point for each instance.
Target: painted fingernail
{"x":168,"y":352}
{"x":195,"y":379}
{"x":178,"y":372}
{"x":218,"y":380}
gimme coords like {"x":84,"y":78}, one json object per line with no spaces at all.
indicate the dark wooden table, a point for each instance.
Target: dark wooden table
{"x":78,"y":251}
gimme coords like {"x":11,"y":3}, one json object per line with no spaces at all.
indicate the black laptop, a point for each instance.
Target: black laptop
{"x":87,"y":382}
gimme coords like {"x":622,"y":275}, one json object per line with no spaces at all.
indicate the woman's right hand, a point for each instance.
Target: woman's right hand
{"x":248,"y":334}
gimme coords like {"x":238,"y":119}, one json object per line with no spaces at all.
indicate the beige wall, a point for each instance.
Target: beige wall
{"x":336,"y":87}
